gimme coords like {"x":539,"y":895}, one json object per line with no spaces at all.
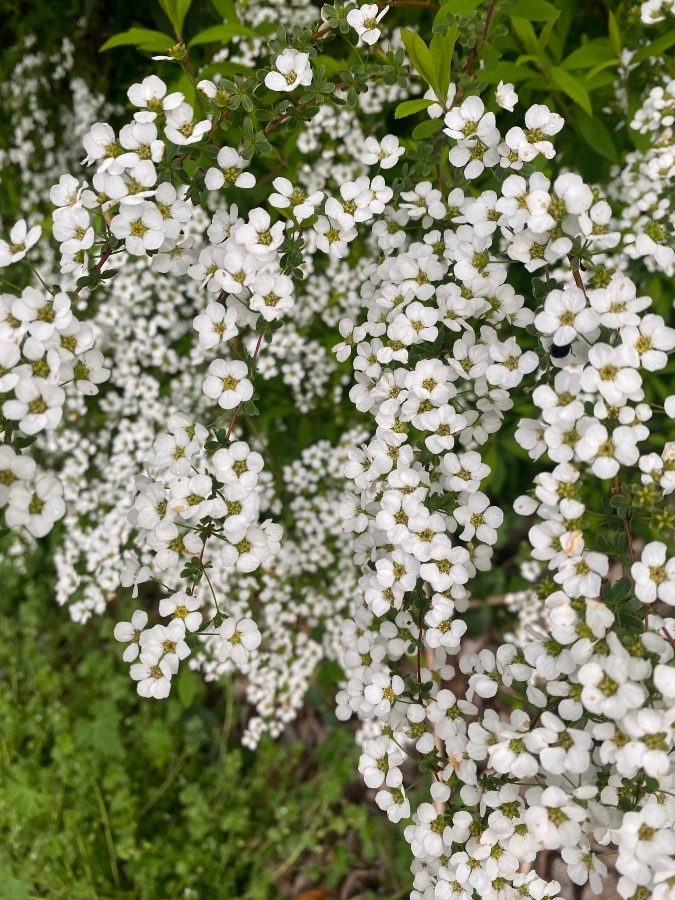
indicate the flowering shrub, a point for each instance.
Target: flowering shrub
{"x":334,"y":317}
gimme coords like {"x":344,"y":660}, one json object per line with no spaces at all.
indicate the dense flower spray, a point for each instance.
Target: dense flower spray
{"x":470,"y":283}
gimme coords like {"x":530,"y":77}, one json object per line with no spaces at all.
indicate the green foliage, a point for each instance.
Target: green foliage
{"x":142,"y":38}
{"x":105,"y":795}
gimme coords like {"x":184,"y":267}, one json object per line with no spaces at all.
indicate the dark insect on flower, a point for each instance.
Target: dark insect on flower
{"x":558,"y":351}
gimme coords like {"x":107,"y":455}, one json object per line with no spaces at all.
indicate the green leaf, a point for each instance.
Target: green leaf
{"x":533,"y":10}
{"x":601,"y":79}
{"x":187,"y":685}
{"x":571,"y":86}
{"x":588,"y":56}
{"x":427,"y":129}
{"x":221,"y":34}
{"x":410,"y":107}
{"x":226,"y":9}
{"x":506,"y":72}
{"x":444,"y":64}
{"x":460,"y":7}
{"x":421,"y":59}
{"x":182,"y":8}
{"x":143,"y":38}
{"x":546,"y":34}
{"x":526,"y":34}
{"x":656,"y":48}
{"x":618,"y":592}
{"x":176,"y":10}
{"x":596,"y":135}
{"x":615,"y":41}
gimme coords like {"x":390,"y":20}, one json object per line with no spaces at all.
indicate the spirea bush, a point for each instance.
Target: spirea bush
{"x":353,"y":328}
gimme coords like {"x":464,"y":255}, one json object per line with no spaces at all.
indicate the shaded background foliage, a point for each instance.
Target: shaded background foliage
{"x":107,"y":796}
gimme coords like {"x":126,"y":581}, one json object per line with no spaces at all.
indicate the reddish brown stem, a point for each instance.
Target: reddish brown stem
{"x":98,"y":266}
{"x":473,"y":56}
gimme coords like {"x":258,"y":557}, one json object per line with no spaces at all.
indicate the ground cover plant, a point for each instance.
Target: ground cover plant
{"x":339,"y":342}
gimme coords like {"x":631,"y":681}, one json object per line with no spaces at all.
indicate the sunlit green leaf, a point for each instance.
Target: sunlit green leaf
{"x":571,"y":86}
{"x":410,"y":107}
{"x":533,"y":10}
{"x":143,"y":38}
{"x":221,"y":34}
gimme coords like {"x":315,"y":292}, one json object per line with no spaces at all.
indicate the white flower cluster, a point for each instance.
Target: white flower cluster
{"x":644,"y":185}
{"x":44,"y":352}
{"x":437,"y":359}
{"x":461,"y":310}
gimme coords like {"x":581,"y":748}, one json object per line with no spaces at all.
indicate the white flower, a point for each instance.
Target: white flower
{"x":505,"y":96}
{"x":271,"y":296}
{"x":540,"y":123}
{"x":607,"y":689}
{"x":153,"y":675}
{"x":607,"y":452}
{"x":295,"y":199}
{"x":385,"y":153}
{"x":167,"y":642}
{"x":141,"y":226}
{"x":68,"y":193}
{"x":175,"y":257}
{"x":181,"y":129}
{"x":227,"y":383}
{"x":239,"y":638}
{"x":100,"y":143}
{"x":184,"y":607}
{"x":35,"y":509}
{"x":654,"y":574}
{"x":14,"y":467}
{"x":258,"y":235}
{"x":395,"y":803}
{"x":568,"y":749}
{"x":133,"y":574}
{"x":652,"y":340}
{"x":38,"y":405}
{"x":613,"y":372}
{"x":583,"y":866}
{"x":566,"y":314}
{"x":170,"y":544}
{"x":73,"y":229}
{"x":332,"y":237}
{"x":554,"y":819}
{"x":21,"y":239}
{"x":510,"y":364}
{"x":191,"y":497}
{"x":364,"y":21}
{"x":151,"y":96}
{"x":380,"y":765}
{"x":130,"y":633}
{"x":230,"y":171}
{"x":215,"y":324}
{"x":252,"y":546}
{"x":581,"y":576}
{"x":444,"y":631}
{"x":478,"y":518}
{"x":87,"y":372}
{"x":44,"y":314}
{"x":293,"y":70}
{"x":469,"y":120}
{"x":237,"y":463}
